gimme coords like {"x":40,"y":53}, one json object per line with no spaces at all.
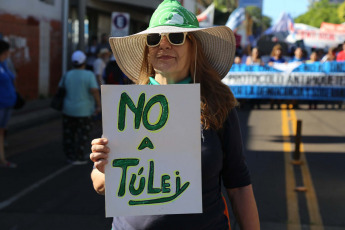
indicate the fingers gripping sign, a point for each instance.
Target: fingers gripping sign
{"x":99,"y":153}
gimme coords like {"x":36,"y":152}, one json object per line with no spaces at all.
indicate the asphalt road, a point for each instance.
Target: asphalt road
{"x":44,"y":192}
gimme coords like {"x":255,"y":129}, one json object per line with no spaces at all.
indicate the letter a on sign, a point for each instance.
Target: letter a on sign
{"x":146,"y":143}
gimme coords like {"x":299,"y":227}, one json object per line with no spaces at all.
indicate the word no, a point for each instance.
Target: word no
{"x":142,"y":111}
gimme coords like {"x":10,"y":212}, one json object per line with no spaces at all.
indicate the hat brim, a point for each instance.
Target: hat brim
{"x":218,"y":44}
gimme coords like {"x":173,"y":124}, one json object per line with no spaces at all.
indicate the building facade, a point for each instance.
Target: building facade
{"x":44,"y":33}
{"x":33,"y":29}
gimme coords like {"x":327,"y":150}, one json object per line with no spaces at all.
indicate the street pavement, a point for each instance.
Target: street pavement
{"x":45,"y":192}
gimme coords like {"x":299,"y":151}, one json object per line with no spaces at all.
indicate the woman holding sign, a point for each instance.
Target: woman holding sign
{"x":174,"y":50}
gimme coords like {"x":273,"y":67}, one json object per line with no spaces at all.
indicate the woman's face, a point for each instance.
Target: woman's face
{"x":255,"y":52}
{"x":277,"y":52}
{"x":169,"y":60}
{"x":298,"y":53}
{"x":313,"y":56}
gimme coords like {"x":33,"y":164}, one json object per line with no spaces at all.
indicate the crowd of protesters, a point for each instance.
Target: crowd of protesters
{"x":103,"y":64}
{"x":252,"y":56}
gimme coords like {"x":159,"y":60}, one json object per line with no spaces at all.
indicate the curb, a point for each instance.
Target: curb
{"x":33,"y":113}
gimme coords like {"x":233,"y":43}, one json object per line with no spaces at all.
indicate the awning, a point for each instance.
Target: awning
{"x":151,"y":4}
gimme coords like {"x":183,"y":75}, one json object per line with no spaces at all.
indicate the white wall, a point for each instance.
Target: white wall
{"x":34,"y":8}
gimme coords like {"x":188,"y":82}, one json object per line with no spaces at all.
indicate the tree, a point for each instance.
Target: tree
{"x":319,"y":12}
{"x":223,"y":8}
{"x":341,"y":12}
{"x":261,"y":22}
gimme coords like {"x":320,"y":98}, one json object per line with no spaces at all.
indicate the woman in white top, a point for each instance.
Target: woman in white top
{"x":254,"y":58}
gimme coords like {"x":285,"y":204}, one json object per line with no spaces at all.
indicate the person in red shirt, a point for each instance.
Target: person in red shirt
{"x":341,"y":54}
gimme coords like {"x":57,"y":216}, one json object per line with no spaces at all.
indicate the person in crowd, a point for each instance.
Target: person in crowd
{"x":81,"y":101}
{"x":91,"y":53}
{"x":246,"y":53}
{"x":330,"y":56}
{"x":313,"y":57}
{"x":320,"y":54}
{"x":254,"y":58}
{"x":299,"y":55}
{"x":7,"y":100}
{"x":276,"y":55}
{"x":298,"y":58}
{"x":238,"y":60}
{"x":185,"y":45}
{"x":12,"y":70}
{"x":113,"y":74}
{"x":341,"y":54}
{"x":100,"y":63}
{"x":104,"y":42}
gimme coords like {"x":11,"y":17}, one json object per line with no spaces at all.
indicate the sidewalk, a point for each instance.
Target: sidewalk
{"x":33,"y":113}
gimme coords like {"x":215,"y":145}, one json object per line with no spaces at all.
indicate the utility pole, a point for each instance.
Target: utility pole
{"x":65,"y":35}
{"x":81,"y":19}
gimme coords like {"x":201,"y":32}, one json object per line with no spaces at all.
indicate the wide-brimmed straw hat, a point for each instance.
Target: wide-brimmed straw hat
{"x":218,"y":43}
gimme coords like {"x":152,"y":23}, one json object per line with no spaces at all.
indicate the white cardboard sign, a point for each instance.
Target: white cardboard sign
{"x":155,"y":160}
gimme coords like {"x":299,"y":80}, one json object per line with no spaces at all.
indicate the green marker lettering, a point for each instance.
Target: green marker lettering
{"x":150,"y":188}
{"x":132,"y":189}
{"x":165,"y":184}
{"x":137,"y":110}
{"x":161,"y":99}
{"x":146,"y":143}
{"x":124,"y":164}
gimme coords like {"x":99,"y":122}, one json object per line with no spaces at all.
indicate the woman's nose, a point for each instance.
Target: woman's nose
{"x":165,"y":44}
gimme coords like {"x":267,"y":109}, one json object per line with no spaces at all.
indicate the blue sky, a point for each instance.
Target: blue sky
{"x":274,"y":8}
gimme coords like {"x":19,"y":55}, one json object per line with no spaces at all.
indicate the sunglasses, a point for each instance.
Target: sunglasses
{"x":177,"y":39}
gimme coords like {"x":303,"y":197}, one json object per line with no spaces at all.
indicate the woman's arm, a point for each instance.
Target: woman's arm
{"x":244,"y":207}
{"x":248,"y":60}
{"x":98,"y":180}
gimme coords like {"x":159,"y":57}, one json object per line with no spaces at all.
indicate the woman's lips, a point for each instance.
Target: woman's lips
{"x":165,"y":57}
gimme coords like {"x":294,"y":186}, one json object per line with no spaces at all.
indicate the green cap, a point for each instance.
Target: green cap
{"x":172,"y":13}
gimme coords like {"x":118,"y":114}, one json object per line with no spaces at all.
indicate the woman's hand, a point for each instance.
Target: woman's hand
{"x":99,"y":153}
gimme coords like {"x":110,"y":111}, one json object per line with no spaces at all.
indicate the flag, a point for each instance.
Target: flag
{"x":206,"y":17}
{"x":236,"y":18}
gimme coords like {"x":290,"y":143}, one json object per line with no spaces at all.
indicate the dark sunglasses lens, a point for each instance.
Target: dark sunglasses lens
{"x":176,"y":38}
{"x":153,"y":39}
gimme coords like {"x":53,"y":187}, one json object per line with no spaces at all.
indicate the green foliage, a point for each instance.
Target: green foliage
{"x":319,"y":12}
{"x":266,"y":22}
{"x":260,"y":21}
{"x":225,"y":6}
{"x":341,"y":12}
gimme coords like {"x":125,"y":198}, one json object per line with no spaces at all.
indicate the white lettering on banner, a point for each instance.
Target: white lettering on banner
{"x":293,"y":79}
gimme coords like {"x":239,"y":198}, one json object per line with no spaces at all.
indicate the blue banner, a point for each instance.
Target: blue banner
{"x":288,"y":93}
{"x":317,"y":81}
{"x":317,"y":67}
